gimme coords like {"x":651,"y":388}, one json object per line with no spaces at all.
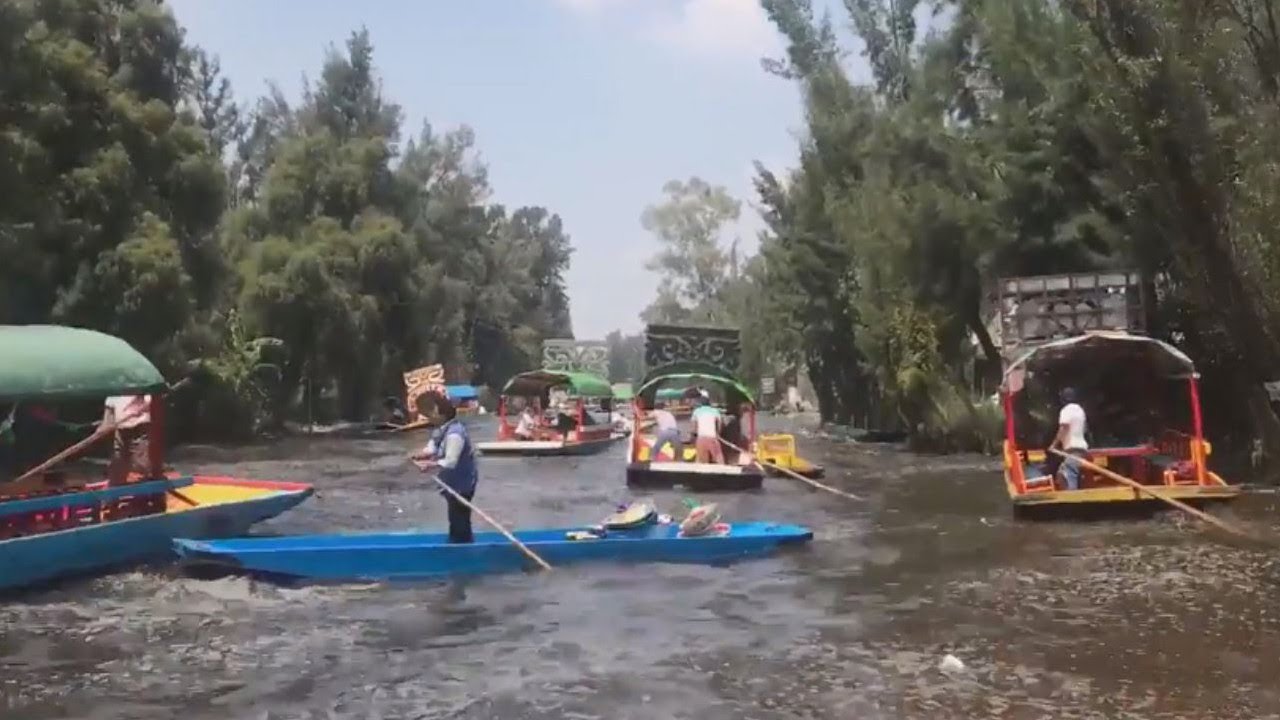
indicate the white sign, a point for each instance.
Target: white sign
{"x":766,"y":386}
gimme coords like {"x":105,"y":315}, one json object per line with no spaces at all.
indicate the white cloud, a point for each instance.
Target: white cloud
{"x":719,"y":28}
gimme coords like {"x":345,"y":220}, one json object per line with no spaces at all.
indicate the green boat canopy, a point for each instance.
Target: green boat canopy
{"x":536,"y":382}
{"x":63,"y":363}
{"x":735,"y":391}
{"x":671,"y":393}
{"x":623,"y":391}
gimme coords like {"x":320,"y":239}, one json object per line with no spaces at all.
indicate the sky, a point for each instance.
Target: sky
{"x":586,"y":107}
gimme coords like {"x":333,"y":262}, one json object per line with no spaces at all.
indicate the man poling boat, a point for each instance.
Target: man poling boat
{"x":450,"y":454}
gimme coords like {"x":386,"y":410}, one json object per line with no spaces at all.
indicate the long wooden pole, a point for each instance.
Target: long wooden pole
{"x":797,"y":475}
{"x":98,"y":434}
{"x":523,"y":548}
{"x":1149,"y":490}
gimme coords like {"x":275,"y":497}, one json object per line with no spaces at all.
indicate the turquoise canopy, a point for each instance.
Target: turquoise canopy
{"x":62,"y":363}
{"x":734,"y":390}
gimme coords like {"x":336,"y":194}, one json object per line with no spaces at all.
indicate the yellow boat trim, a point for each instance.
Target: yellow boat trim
{"x":210,"y":494}
{"x":1118,"y":494}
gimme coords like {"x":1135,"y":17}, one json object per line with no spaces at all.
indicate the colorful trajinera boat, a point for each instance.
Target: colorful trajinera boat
{"x":59,"y":523}
{"x":1142,"y":403}
{"x":635,"y":535}
{"x":574,"y":434}
{"x":683,"y":356}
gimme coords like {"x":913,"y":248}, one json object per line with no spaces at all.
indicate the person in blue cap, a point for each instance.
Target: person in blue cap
{"x":1070,"y":437}
{"x":451,"y":454}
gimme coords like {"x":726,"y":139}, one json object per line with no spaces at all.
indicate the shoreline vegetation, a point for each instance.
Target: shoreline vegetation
{"x":296,"y":255}
{"x":292,"y":256}
{"x":997,"y":139}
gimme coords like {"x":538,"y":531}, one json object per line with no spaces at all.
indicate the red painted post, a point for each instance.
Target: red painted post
{"x":155,"y":437}
{"x":1197,"y":423}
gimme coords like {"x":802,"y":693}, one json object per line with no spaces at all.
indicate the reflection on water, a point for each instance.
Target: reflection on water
{"x":1105,"y":620}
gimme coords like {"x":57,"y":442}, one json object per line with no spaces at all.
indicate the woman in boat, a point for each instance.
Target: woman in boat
{"x":527,"y":425}
{"x":450,"y":453}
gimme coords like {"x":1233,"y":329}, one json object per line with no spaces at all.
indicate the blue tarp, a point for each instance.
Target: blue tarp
{"x":461,"y":392}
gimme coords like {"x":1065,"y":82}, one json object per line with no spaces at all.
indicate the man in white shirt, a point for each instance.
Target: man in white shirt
{"x":129,"y":416}
{"x":666,"y":433}
{"x":1070,"y":437}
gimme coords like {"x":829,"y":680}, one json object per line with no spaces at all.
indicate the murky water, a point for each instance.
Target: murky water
{"x":1109,"y":620}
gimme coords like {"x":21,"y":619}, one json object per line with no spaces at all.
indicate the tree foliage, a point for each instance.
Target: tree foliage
{"x":137,"y":196}
{"x":1024,"y":138}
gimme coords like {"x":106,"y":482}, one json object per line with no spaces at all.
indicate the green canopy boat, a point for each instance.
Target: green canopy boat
{"x":682,"y":358}
{"x":572,"y":434}
{"x":56,"y":523}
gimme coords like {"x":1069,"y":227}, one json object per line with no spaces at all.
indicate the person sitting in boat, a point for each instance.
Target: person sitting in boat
{"x":450,"y":453}
{"x":395,"y":410}
{"x":706,"y":425}
{"x":666,"y":433}
{"x":1070,"y":437}
{"x":527,"y":424}
{"x":129,"y":416}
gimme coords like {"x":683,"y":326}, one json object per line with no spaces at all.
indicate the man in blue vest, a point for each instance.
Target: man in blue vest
{"x":450,"y":453}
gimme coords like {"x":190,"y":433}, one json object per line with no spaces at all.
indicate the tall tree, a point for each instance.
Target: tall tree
{"x":694,"y":263}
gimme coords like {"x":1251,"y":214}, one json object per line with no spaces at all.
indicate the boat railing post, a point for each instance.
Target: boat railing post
{"x":1011,"y":459}
{"x":582,"y":416}
{"x":155,"y":437}
{"x":1197,"y":421}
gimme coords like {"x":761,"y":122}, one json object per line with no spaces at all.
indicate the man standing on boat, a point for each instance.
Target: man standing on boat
{"x":129,"y":416}
{"x":706,"y":427}
{"x":667,"y":432}
{"x":451,"y":454}
{"x":1071,"y":428}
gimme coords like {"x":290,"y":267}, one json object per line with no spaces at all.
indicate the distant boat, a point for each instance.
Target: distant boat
{"x":579,"y":436}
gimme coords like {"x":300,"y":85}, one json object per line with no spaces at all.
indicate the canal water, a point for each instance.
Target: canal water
{"x":1148,"y":619}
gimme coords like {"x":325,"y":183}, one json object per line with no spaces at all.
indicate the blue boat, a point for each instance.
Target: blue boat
{"x":93,"y":542}
{"x":56,"y":523}
{"x":415,"y":556}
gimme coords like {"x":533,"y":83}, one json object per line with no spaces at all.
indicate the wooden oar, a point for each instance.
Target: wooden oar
{"x":1153,"y":492}
{"x":523,"y":548}
{"x":796,"y":475}
{"x":42,"y":467}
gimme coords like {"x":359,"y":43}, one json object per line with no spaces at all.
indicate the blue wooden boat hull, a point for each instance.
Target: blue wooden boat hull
{"x":411,"y":556}
{"x":92,"y":549}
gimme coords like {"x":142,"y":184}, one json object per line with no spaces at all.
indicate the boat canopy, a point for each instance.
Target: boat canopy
{"x":536,"y":382}
{"x":1098,"y":350}
{"x":623,"y":391}
{"x":461,"y":392}
{"x":671,"y":393}
{"x":735,"y":391}
{"x":56,"y":362}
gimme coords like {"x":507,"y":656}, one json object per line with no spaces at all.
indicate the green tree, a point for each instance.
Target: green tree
{"x":693,"y":263}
